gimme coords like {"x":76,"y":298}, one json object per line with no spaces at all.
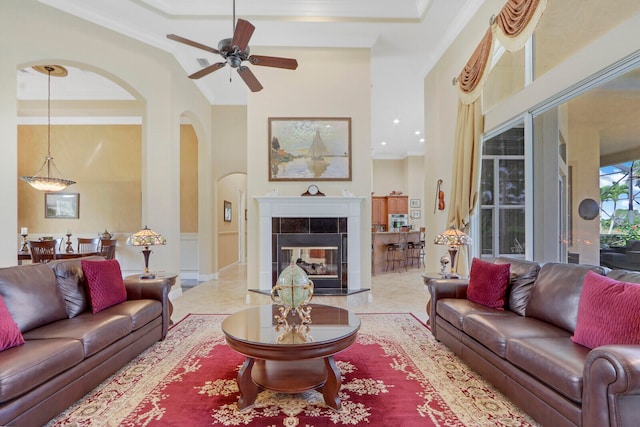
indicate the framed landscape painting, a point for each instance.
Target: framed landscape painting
{"x":309,"y":149}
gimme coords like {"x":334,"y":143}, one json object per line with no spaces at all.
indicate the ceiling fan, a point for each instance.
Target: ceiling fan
{"x":235,"y":51}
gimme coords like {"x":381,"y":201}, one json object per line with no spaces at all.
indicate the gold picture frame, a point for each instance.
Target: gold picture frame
{"x":309,"y":149}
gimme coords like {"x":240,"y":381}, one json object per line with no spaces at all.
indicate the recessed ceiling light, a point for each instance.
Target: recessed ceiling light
{"x":417,"y":132}
{"x":383,"y":143}
{"x":421,"y":139}
{"x":396,"y":121}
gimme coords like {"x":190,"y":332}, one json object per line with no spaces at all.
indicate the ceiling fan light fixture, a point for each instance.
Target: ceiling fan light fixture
{"x":48,"y":182}
{"x":235,"y":51}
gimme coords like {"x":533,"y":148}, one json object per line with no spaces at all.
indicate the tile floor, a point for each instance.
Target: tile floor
{"x":392,"y":292}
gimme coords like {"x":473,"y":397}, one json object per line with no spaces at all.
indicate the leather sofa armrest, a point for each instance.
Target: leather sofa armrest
{"x":611,"y":395}
{"x":442,"y":288}
{"x":157,"y":290}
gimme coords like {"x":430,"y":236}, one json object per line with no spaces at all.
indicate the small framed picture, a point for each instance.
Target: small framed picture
{"x":415,"y":213}
{"x":227,"y":211}
{"x":414,"y":203}
{"x":62,"y":205}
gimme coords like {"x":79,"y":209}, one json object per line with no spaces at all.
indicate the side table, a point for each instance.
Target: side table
{"x":169,"y":278}
{"x":428,"y":277}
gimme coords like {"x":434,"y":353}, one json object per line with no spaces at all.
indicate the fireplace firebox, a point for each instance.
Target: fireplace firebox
{"x":318,"y":246}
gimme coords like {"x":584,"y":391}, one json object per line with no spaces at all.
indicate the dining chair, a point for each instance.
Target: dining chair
{"x":108,"y":248}
{"x":87,"y":244}
{"x":42,"y":251}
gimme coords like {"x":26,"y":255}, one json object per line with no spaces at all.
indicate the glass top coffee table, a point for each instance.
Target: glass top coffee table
{"x":290,"y":359}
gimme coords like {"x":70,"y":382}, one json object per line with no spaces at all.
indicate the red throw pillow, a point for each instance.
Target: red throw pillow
{"x":488,"y":283}
{"x":608,"y":312}
{"x":10,"y":335}
{"x":104,"y":279}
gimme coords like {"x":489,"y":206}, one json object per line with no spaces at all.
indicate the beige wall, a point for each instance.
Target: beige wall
{"x":105,"y":163}
{"x":327,"y":83}
{"x":188,"y":180}
{"x":441,"y":100}
{"x":390,"y":175}
{"x":155,"y":80}
{"x":232,"y":189}
{"x":230,"y":134}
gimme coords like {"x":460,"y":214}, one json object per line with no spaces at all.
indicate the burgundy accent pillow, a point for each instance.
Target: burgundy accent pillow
{"x":608,"y":312}
{"x":10,"y":335}
{"x":488,"y":283}
{"x":104,"y":280}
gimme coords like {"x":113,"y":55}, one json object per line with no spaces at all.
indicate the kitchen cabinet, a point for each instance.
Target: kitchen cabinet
{"x":379,"y":210}
{"x":397,"y":205}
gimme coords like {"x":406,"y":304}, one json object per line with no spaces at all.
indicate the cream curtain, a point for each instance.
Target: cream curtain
{"x":466,"y":172}
{"x":512,"y":27}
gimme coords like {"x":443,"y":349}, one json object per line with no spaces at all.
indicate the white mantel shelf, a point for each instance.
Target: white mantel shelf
{"x":313,"y":207}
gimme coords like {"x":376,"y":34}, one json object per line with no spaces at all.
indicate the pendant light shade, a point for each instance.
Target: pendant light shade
{"x":45,"y":179}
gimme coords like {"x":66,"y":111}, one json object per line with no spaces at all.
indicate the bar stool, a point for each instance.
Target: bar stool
{"x":416,"y":249}
{"x":397,"y":253}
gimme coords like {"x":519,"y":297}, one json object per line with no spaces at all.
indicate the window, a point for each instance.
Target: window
{"x":502,"y":195}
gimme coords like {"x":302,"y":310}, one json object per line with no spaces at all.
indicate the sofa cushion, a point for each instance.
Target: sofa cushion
{"x":608,"y":313}
{"x":104,"y":280}
{"x":557,"y":362}
{"x":488,"y":283}
{"x":494,"y":332}
{"x":523,"y":276}
{"x":454,"y":310}
{"x":72,"y":283}
{"x":556,"y":293}
{"x":31,"y":295}
{"x":141,"y":311}
{"x":94,"y":331}
{"x":10,"y":335}
{"x":25,"y":367}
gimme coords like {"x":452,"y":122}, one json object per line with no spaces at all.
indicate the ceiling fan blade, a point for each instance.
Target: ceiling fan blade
{"x":273,"y":61}
{"x":250,"y":79}
{"x":242,"y":34}
{"x":192,"y":43}
{"x":207,"y":70}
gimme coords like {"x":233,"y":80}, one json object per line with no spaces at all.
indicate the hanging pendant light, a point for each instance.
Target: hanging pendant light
{"x":48,"y":182}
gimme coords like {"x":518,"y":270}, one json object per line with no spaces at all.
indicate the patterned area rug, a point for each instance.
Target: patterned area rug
{"x":396,"y":374}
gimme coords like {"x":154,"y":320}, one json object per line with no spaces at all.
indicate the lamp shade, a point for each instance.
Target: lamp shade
{"x":146,"y":237}
{"x":452,"y":237}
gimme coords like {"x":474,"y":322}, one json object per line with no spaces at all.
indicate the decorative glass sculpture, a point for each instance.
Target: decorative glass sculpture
{"x":293,"y":291}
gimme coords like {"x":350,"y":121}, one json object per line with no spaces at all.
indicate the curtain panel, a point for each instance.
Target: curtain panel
{"x":465,"y":184}
{"x":513,"y":26}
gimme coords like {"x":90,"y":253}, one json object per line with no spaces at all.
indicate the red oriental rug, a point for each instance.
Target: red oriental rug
{"x":396,"y":374}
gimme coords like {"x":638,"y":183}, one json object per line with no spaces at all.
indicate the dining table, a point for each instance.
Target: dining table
{"x":26,"y":256}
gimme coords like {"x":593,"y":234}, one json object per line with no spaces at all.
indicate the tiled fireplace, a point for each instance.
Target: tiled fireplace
{"x":317,"y":245}
{"x":322,"y":234}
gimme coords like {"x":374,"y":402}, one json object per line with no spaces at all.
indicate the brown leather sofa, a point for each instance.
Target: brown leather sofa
{"x":68,"y":350}
{"x":525,"y":351}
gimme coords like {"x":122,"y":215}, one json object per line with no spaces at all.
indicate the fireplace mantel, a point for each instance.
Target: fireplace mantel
{"x":315,"y":207}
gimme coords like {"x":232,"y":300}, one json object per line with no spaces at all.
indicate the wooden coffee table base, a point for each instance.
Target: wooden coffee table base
{"x":292,"y":376}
